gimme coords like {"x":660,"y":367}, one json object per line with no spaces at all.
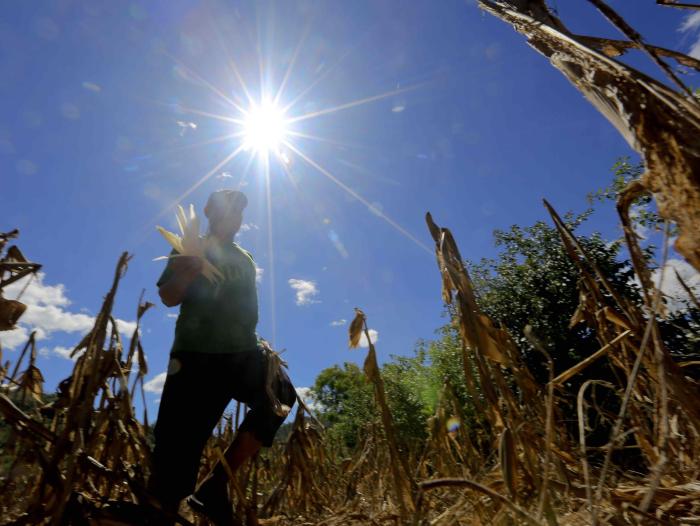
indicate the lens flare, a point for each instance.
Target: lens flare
{"x":453,"y":424}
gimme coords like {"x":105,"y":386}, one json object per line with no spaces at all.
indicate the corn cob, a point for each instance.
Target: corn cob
{"x":190,"y":243}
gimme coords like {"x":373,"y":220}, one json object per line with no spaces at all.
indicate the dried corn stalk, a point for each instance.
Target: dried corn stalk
{"x":402,"y":482}
{"x":273,"y":375}
{"x":662,"y":124}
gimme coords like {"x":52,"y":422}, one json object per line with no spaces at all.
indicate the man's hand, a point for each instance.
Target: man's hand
{"x":185,"y":266}
{"x":185,"y":270}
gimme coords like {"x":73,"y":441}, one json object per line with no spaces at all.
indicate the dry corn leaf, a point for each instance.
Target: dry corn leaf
{"x":614,"y":317}
{"x":31,"y":382}
{"x":578,"y":316}
{"x":10,"y":312}
{"x":490,"y":341}
{"x":355,"y":329}
{"x":141,"y":357}
{"x":447,"y":285}
{"x":143,"y":307}
{"x":508,"y":459}
{"x":370,"y":365}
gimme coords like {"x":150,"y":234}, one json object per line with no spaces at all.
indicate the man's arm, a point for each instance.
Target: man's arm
{"x":184,"y":270}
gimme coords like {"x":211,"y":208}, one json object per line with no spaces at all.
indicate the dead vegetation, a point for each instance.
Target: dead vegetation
{"x":77,"y":455}
{"x":517,"y":464}
{"x":658,"y":121}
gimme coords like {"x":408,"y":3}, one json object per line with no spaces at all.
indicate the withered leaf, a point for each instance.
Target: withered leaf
{"x":355,"y":329}
{"x":447,"y":285}
{"x":10,"y":312}
{"x":141,"y":356}
{"x":370,"y":366}
{"x":489,"y":339}
{"x":508,"y":460}
{"x":143,"y":307}
{"x":615,"y":318}
{"x":31,"y":382}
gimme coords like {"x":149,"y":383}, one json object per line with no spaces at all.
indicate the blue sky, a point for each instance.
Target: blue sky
{"x":98,"y":139}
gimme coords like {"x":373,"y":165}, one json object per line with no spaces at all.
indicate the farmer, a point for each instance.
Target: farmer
{"x":216,"y":357}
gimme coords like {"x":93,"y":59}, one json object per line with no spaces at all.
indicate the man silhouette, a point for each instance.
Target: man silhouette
{"x":216,"y":357}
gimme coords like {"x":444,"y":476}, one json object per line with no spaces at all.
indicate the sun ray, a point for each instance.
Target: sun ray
{"x":316,"y":81}
{"x":229,"y":62}
{"x":246,"y":170}
{"x":214,"y":140}
{"x":198,"y":183}
{"x":224,"y":118}
{"x":284,"y":163}
{"x":352,"y":104}
{"x":357,"y":196}
{"x":318,"y":138}
{"x":146,"y":230}
{"x":291,"y":64}
{"x":258,"y":50}
{"x":239,"y":77}
{"x":324,"y":74}
{"x":306,"y":206}
{"x":264,"y":128}
{"x":270,"y":250}
{"x":195,"y":111}
{"x":208,"y":84}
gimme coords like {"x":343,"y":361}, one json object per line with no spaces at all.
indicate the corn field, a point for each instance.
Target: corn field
{"x":76,"y":458}
{"x":84,"y":456}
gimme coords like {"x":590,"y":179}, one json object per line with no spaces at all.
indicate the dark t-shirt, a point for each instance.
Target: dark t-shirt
{"x":219,"y":318}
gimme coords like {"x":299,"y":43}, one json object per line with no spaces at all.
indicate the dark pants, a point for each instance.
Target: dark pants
{"x":197,"y":390}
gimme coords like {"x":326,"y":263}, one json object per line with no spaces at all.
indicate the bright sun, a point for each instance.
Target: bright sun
{"x":264,"y":128}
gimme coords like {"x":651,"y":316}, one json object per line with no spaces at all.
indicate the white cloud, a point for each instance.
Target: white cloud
{"x":47,"y":313}
{"x":37,"y":292}
{"x":155,"y":384}
{"x":259,"y":274}
{"x":672,"y":288}
{"x":245,"y":227}
{"x":695,"y":49}
{"x":65,"y":352}
{"x":307,"y":395}
{"x":92,"y":86}
{"x":14,"y":338}
{"x":338,"y":323}
{"x":373,"y":335}
{"x":61,"y":352}
{"x":691,"y":24}
{"x":305,"y":291}
{"x":186,"y":126}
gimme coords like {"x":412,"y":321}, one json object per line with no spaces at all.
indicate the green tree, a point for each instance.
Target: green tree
{"x":680,"y":329}
{"x":413,"y":386}
{"x":347,"y":402}
{"x":533,"y":281}
{"x":644,"y":214}
{"x":530,"y":281}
